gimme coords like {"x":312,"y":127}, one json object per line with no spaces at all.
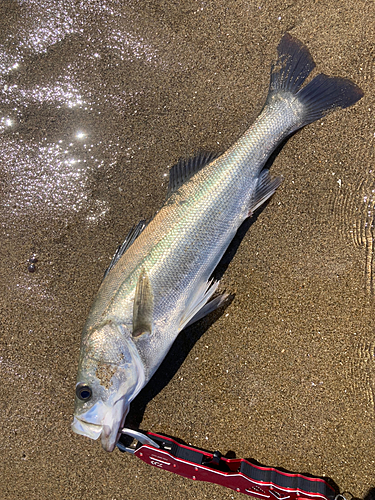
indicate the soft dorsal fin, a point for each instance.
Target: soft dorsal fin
{"x":185,"y":169}
{"x":133,"y":234}
{"x":143,"y":306}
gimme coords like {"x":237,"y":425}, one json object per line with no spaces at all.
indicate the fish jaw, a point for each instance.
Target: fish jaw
{"x":91,"y":431}
{"x":112,"y":426}
{"x":102,"y":421}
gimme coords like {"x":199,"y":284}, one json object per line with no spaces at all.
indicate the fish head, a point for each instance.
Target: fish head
{"x":110,"y":375}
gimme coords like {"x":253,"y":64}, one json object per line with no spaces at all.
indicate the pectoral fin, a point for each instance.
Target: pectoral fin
{"x":143,"y":306}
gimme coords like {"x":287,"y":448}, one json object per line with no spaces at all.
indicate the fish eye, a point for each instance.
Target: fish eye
{"x":83,"y":391}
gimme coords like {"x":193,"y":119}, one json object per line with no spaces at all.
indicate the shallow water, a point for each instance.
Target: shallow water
{"x":97,"y":101}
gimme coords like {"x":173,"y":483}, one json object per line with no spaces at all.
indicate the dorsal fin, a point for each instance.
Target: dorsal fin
{"x":133,"y":234}
{"x":185,"y":169}
{"x":143,"y":306}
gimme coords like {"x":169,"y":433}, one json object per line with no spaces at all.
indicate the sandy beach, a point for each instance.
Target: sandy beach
{"x":98,"y":100}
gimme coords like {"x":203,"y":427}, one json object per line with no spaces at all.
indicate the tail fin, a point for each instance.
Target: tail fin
{"x":293,"y":66}
{"x":322,"y":95}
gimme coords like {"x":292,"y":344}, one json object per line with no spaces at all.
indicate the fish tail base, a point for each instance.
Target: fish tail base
{"x":320,"y":96}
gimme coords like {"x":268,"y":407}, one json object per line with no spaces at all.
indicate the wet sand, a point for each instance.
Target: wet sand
{"x":96,"y":103}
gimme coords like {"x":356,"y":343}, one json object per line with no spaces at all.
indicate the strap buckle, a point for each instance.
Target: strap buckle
{"x":138,"y":436}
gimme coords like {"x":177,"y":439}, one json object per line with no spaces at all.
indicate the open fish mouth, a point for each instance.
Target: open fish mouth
{"x":102,"y":421}
{"x":92,"y":431}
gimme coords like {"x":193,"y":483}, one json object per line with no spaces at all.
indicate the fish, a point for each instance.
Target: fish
{"x":160,"y":278}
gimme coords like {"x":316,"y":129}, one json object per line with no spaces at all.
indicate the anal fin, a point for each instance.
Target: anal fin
{"x":265,"y":188}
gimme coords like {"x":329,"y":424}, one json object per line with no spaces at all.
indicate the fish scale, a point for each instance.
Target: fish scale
{"x":159,"y":279}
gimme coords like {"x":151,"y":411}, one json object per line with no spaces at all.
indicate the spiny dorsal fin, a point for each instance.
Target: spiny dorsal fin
{"x":143,"y":306}
{"x":133,"y":234}
{"x":185,"y":169}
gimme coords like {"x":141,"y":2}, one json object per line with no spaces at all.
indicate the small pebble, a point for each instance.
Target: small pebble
{"x":31,"y":268}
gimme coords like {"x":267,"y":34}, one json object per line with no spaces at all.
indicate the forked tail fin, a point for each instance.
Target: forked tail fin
{"x":320,"y":96}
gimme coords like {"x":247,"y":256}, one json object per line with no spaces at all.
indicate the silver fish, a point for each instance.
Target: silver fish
{"x":159,"y":280}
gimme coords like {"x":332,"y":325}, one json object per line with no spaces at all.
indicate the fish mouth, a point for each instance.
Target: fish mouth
{"x":92,"y":431}
{"x":108,"y":426}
